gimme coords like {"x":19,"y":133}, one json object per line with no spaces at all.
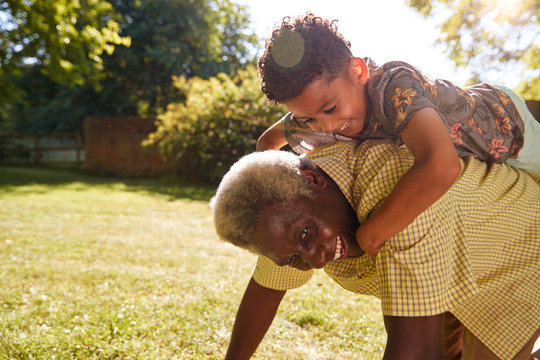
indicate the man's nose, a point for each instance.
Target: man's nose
{"x":315,"y":256}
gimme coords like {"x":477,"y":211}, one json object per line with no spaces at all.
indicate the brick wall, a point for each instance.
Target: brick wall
{"x":113,"y":146}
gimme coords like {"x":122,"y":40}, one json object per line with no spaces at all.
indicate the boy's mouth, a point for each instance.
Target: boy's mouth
{"x":345,"y":126}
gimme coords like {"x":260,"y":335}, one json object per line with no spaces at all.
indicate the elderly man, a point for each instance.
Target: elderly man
{"x":461,"y":281}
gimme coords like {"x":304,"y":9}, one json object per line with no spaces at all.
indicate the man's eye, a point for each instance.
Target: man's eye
{"x":331,"y":110}
{"x":310,"y":120}
{"x":292,"y":260}
{"x":304,"y":233}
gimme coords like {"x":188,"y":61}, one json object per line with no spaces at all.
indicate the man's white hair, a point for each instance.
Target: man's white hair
{"x":257,"y":179}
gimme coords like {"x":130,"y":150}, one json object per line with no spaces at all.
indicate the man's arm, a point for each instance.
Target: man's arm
{"x":414,"y":338}
{"x":254,"y":316}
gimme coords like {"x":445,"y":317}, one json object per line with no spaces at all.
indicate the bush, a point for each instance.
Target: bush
{"x":219,"y":122}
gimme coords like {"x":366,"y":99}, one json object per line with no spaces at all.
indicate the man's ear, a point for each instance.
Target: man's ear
{"x":315,"y":178}
{"x":358,"y":70}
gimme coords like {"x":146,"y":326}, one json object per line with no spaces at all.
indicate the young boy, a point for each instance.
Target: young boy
{"x":332,"y":96}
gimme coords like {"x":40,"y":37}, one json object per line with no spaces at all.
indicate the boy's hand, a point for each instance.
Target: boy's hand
{"x":369,"y":245}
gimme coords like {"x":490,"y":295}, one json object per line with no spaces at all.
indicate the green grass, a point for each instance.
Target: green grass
{"x":101,"y":268}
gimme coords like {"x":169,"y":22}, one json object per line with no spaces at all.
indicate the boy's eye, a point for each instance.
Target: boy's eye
{"x":310,"y":120}
{"x":331,"y":110}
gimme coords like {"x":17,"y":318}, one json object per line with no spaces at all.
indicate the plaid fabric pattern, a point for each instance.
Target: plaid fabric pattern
{"x":474,"y":252}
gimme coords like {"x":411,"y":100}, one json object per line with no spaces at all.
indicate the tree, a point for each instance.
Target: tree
{"x":66,"y":38}
{"x":491,"y":35}
{"x":168,"y":37}
{"x":218,"y":123}
{"x":173,"y":37}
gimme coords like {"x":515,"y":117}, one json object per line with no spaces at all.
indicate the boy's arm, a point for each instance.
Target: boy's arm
{"x":414,"y":337}
{"x":272,"y":138}
{"x":436,"y":167}
{"x":254,"y":316}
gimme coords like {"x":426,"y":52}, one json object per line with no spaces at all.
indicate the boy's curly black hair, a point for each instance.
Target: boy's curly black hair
{"x":301,"y":50}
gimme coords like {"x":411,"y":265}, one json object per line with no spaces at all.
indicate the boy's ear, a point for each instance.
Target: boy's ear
{"x":315,"y":179}
{"x":358,"y":70}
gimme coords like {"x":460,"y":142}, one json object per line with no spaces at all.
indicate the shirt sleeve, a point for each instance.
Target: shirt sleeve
{"x":406,"y":92}
{"x":275,"y":277}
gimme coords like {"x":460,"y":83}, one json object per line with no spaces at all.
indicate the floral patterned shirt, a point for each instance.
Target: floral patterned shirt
{"x":481,"y":119}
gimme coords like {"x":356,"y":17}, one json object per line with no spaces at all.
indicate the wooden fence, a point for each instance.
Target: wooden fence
{"x":56,"y":148}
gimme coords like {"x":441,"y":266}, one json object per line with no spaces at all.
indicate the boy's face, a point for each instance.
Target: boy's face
{"x":340,"y":106}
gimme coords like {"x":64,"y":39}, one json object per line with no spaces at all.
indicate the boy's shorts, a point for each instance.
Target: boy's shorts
{"x":529,"y":156}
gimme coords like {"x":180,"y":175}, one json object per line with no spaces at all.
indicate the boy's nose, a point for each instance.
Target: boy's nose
{"x":326,"y":127}
{"x":316,"y":126}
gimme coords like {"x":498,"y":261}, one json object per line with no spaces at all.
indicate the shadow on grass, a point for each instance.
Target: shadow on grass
{"x":12,"y":178}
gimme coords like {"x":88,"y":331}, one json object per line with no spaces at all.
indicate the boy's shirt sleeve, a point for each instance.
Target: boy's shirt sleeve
{"x":481,"y":120}
{"x":301,"y":138}
{"x":397,"y":93}
{"x":405,"y":96}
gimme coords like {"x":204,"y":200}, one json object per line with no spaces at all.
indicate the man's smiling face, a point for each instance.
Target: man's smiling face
{"x":308,"y":233}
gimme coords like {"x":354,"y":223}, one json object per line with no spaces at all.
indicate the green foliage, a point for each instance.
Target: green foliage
{"x":168,"y":37}
{"x":66,"y":38}
{"x":491,"y":35}
{"x":218,"y":123}
{"x":48,"y":106}
{"x":172,"y":37}
{"x":63,"y":40}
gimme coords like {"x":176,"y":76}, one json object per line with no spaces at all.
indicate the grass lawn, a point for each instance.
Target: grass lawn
{"x":101,"y":268}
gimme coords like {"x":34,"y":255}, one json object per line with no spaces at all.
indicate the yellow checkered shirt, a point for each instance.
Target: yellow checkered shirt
{"x":475,"y":252}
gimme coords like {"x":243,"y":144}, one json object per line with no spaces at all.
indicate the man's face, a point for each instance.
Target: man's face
{"x":339,"y":106}
{"x":308,"y":233}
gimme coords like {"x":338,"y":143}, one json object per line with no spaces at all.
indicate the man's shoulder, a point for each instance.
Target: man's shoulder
{"x":360,"y":163}
{"x":354,"y":150}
